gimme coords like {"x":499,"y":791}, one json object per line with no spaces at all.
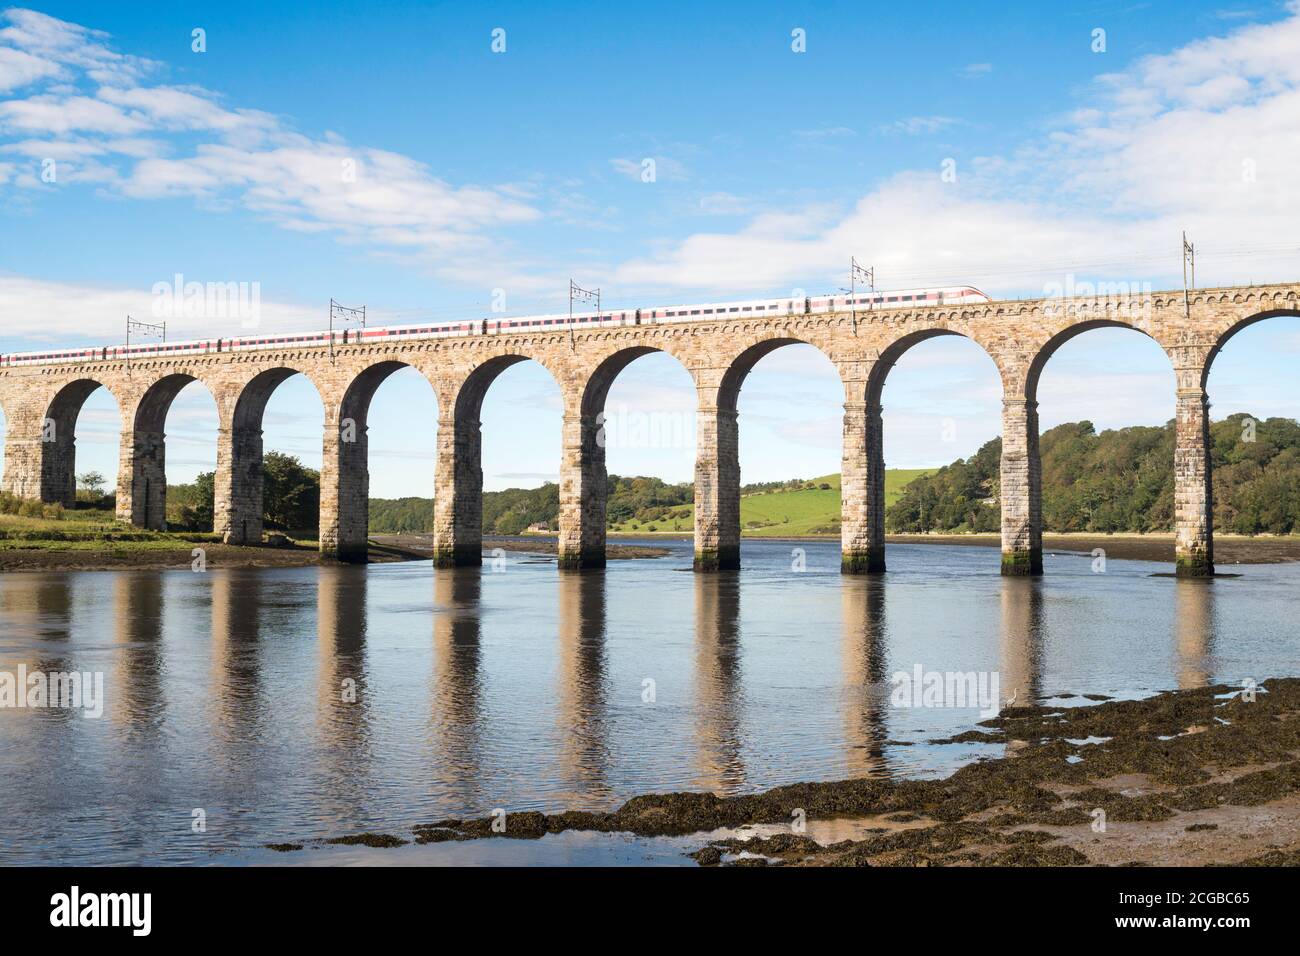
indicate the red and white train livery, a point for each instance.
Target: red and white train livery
{"x":674,"y":313}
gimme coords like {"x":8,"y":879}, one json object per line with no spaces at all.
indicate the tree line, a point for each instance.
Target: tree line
{"x":1113,"y":481}
{"x":1120,"y":480}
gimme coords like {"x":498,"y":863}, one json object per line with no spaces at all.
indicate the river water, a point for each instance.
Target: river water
{"x":289,"y":704}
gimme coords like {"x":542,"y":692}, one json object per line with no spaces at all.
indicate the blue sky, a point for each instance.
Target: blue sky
{"x":478,"y":170}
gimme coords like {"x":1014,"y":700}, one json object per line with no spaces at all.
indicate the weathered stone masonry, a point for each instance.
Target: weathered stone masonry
{"x":41,"y":404}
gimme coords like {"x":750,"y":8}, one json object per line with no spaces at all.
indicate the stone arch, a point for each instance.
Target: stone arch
{"x":458,"y":499}
{"x":56,"y":446}
{"x":345,"y":472}
{"x":717,"y":450}
{"x":1034,"y":370}
{"x":254,"y":394}
{"x":596,"y":388}
{"x":238,"y":510}
{"x":142,"y":472}
{"x":895,"y":349}
{"x":741,"y":364}
{"x":584,"y":476}
{"x":1237,"y":326}
{"x":1022,"y":527}
{"x":862,"y":476}
{"x":1195,"y":445}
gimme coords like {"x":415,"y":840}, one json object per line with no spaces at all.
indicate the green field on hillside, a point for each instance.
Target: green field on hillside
{"x":814,"y":510}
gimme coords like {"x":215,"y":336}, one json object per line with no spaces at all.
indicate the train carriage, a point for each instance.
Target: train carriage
{"x":793,"y":305}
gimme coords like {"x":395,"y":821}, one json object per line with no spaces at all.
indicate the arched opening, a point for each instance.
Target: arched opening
{"x":147,"y":499}
{"x":278,"y":489}
{"x":940,"y":421}
{"x":1104,"y":395}
{"x":1254,"y":445}
{"x":638,"y":448}
{"x":390,"y":413}
{"x":509,"y":484}
{"x":79,"y":449}
{"x":794,"y":397}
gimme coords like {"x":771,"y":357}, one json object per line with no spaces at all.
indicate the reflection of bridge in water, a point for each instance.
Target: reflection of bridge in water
{"x":253,"y":646}
{"x":42,"y":402}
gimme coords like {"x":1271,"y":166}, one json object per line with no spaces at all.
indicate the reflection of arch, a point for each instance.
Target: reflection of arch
{"x":457,"y":723}
{"x":345,"y":503}
{"x":717,"y":682}
{"x":138,"y":606}
{"x":237,"y":674}
{"x":1022,"y":642}
{"x":58,"y":453}
{"x":142,"y":481}
{"x":1195,"y":631}
{"x":343,"y":690}
{"x":238,"y":510}
{"x":582,"y":691}
{"x":863,"y":629}
{"x":1237,"y":327}
{"x":458,"y":503}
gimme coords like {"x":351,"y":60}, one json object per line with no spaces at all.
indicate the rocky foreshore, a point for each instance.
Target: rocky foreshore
{"x":1188,"y":777}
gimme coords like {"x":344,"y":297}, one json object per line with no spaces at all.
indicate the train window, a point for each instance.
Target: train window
{"x":695,"y":311}
{"x":734,"y":308}
{"x":744,"y":308}
{"x":892,"y":298}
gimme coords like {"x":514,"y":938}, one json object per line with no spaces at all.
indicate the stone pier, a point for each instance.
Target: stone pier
{"x":1020,"y":489}
{"x":717,"y":489}
{"x":1193,"y":486}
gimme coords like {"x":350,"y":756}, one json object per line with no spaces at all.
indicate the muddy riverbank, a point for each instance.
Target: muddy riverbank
{"x":167,"y":555}
{"x":1189,"y":777}
{"x":161,"y":555}
{"x":1228,"y":548}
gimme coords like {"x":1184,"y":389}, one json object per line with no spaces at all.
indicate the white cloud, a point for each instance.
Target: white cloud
{"x":919,"y":125}
{"x":64,"y":313}
{"x":1202,"y":138}
{"x":107,"y":126}
{"x":18,"y":69}
{"x":725,"y":204}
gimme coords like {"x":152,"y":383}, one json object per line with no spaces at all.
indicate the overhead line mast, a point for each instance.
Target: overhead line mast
{"x":867,"y":275}
{"x":583,"y":295}
{"x":1189,"y":259}
{"x":142,"y":328}
{"x":344,"y":314}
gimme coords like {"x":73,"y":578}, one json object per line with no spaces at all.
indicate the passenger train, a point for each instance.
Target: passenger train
{"x":579,"y":320}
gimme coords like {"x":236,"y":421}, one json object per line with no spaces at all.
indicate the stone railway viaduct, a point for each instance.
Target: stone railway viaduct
{"x":41,"y":404}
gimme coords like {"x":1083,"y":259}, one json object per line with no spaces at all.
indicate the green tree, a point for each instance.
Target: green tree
{"x":91,"y":486}
{"x":290,"y":493}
